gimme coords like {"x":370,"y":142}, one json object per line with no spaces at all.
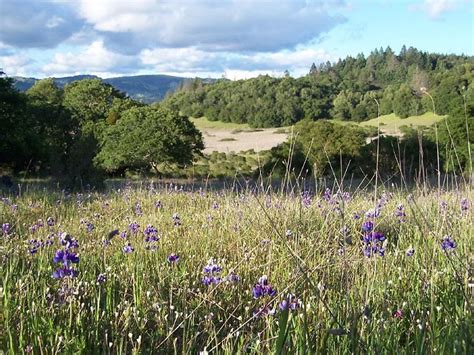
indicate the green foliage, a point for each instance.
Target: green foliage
{"x":18,"y":142}
{"x":326,"y":143}
{"x":343,"y":90}
{"x":456,"y":138}
{"x":90,"y":99}
{"x":145,"y":137}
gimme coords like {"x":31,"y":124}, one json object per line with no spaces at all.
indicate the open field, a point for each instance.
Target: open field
{"x":391,"y":124}
{"x":171,"y":271}
{"x":233,"y":137}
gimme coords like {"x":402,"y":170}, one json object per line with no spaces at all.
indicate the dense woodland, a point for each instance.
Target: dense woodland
{"x":346,"y":90}
{"x":88,"y":130}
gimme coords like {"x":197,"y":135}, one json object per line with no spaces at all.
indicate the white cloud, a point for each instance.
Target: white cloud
{"x":232,"y":65}
{"x":93,"y":59}
{"x":214,"y":25}
{"x":436,"y":8}
{"x":15,"y":65}
{"x":54,"y":21}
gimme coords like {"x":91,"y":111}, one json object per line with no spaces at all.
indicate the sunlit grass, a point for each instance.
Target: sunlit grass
{"x":310,"y":246}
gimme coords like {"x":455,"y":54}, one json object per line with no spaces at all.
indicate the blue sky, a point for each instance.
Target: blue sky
{"x":212,"y":38}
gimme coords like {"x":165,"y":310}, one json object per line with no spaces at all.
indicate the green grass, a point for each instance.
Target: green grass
{"x":347,"y":303}
{"x":392,"y":123}
{"x":203,"y":123}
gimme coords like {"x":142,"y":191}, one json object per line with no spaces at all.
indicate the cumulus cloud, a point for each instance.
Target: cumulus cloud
{"x":94,"y":59}
{"x":233,"y":65}
{"x":437,"y":8}
{"x":15,"y":65}
{"x":226,"y":25}
{"x":36,"y":24}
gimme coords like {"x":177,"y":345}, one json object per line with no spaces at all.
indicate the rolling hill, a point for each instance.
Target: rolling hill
{"x":145,"y":88}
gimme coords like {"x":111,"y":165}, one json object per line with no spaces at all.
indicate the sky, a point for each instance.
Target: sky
{"x":218,"y":38}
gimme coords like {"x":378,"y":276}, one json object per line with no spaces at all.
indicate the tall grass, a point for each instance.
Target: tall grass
{"x":308,"y":243}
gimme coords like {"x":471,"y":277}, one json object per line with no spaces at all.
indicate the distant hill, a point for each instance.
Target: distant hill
{"x":145,"y":88}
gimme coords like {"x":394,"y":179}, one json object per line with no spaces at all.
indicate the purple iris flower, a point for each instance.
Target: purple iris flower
{"x":176,"y":220}
{"x":151,"y":234}
{"x":158,"y":204}
{"x":448,"y":243}
{"x":306,"y":199}
{"x":50,"y":221}
{"x":410,"y":251}
{"x":66,"y":257}
{"x":64,"y":272}
{"x":464,"y":204}
{"x":210,"y":280}
{"x":138,"y":209}
{"x":101,"y":278}
{"x":173,"y":258}
{"x":128,"y":248}
{"x":134,"y":227}
{"x":291,"y":303}
{"x":263,"y":288}
{"x":68,"y":241}
{"x":232,"y":277}
{"x":6,"y":228}
{"x":368,"y":226}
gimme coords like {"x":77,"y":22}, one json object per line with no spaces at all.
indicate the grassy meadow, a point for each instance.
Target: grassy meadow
{"x":174,"y":271}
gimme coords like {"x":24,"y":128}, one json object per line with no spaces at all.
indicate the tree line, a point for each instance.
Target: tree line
{"x":354,"y":89}
{"x":88,"y":129}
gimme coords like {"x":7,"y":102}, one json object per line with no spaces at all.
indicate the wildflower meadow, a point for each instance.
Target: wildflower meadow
{"x":175,"y":270}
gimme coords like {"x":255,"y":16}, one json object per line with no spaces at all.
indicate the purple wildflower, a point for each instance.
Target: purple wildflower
{"x":306,"y":199}
{"x":263,"y":288}
{"x":128,"y":248}
{"x":448,"y":243}
{"x":288,"y":233}
{"x":6,"y":228}
{"x":211,"y":267}
{"x":134,"y":227}
{"x":68,"y":241}
{"x":50,"y":221}
{"x":123,"y":234}
{"x":101,"y":278}
{"x":210,"y":280}
{"x":212,"y":272}
{"x":232,"y":277}
{"x":373,"y":213}
{"x":368,"y":226}
{"x":215,"y":205}
{"x":410,"y":251}
{"x":176,"y":220}
{"x":291,"y":303}
{"x":158,"y":204}
{"x":464,"y":204}
{"x":35,"y":245}
{"x":173,"y":258}
{"x":64,"y":272}
{"x":373,"y":244}
{"x":400,"y":212}
{"x":66,"y":257}
{"x":138,"y":209}
{"x":151,"y":234}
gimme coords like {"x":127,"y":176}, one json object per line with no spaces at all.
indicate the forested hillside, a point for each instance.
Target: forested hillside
{"x":351,"y":89}
{"x":144,"y":88}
